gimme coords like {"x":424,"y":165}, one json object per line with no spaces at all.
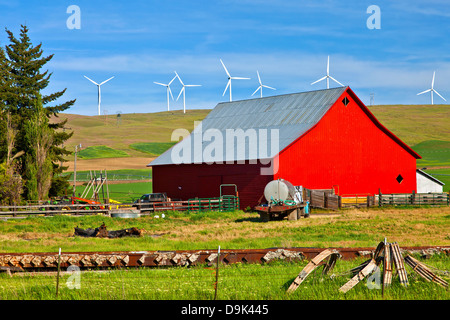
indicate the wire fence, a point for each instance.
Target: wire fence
{"x":86,"y":176}
{"x":241,"y":281}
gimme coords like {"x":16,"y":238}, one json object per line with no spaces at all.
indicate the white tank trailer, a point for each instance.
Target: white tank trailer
{"x":283,"y":200}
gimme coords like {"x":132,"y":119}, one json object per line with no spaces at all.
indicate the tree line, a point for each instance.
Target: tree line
{"x":32,"y":136}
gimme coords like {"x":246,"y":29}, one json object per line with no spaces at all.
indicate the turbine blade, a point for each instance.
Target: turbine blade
{"x":439,"y":95}
{"x":225,"y":68}
{"x":92,"y":81}
{"x":106,"y":81}
{"x":319,"y":80}
{"x":424,"y":91}
{"x":268,"y":87}
{"x":259,"y":78}
{"x":181,"y":91}
{"x":432,"y":81}
{"x":170,"y":91}
{"x":228,"y":83}
{"x":161,"y":84}
{"x":179,"y":78}
{"x":328,"y":65}
{"x":336,"y":81}
{"x":256,"y":90}
{"x":172,"y":80}
{"x":240,"y":78}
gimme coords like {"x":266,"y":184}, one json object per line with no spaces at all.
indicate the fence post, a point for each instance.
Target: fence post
{"x":380,"y":198}
{"x":57,"y":276}
{"x":217,"y":274}
{"x":413,"y":197}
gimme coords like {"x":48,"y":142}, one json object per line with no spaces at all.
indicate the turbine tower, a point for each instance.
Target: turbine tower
{"x":183,"y":91}
{"x":99,"y":93}
{"x":328,"y":77}
{"x":168,"y":90}
{"x":431,"y":90}
{"x":261,"y":85}
{"x":229,"y":80}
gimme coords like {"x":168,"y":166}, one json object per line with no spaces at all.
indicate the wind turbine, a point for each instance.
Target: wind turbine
{"x":229,"y":80}
{"x":328,"y":77}
{"x":261,"y":85}
{"x":183,"y":91}
{"x":168,"y":90}
{"x":432,"y":90}
{"x":99,"y":93}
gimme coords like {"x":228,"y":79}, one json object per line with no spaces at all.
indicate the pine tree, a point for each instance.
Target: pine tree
{"x":26,"y":81}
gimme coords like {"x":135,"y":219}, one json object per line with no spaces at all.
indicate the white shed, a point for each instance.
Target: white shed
{"x":427,"y":183}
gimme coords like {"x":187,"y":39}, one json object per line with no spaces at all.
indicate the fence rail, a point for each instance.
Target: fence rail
{"x":326,"y":199}
{"x":224,"y":203}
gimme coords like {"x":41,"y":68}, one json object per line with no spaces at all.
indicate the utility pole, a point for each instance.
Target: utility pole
{"x":75,"y":169}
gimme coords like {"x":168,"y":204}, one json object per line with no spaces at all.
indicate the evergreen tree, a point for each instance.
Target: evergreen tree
{"x":25,"y":82}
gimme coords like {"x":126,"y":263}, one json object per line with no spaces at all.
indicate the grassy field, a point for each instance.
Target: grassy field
{"x":415,"y":123}
{"x":122,"y":192}
{"x":236,"y":282}
{"x":232,"y":230}
{"x":152,"y":148}
{"x":96,"y":152}
{"x":435,"y":153}
{"x":132,"y":128}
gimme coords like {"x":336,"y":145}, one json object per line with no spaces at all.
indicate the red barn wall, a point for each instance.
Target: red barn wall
{"x":347,"y":151}
{"x":186,"y":181}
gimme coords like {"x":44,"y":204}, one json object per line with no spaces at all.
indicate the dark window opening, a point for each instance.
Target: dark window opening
{"x":399,"y":178}
{"x":345,"y":101}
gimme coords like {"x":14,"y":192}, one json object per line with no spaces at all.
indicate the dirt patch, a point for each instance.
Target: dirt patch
{"x":110,"y":164}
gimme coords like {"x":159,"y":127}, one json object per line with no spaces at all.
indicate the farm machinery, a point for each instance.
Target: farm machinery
{"x":83,"y":201}
{"x":282,"y":200}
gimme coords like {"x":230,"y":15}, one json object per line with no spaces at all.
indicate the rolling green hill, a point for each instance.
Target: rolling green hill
{"x":129,"y":134}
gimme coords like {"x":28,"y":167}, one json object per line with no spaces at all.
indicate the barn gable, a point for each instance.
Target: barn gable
{"x":350,"y":151}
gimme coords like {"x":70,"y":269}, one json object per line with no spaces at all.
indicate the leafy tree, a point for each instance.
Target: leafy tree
{"x":38,"y":166}
{"x":11,"y":183}
{"x":21,"y":97}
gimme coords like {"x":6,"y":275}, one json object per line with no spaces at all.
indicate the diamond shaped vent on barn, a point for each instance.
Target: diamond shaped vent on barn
{"x":399,"y":178}
{"x":345,"y":101}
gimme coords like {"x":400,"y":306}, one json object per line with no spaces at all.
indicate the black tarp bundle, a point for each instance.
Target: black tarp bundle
{"x":101,"y":232}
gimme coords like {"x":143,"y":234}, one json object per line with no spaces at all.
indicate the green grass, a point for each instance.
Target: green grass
{"x":236,"y":282}
{"x":152,"y":148}
{"x":442,"y":175}
{"x":121,"y":174}
{"x":96,"y":152}
{"x":434,"y":153}
{"x":132,"y":129}
{"x":231,"y":230}
{"x":415,"y":123}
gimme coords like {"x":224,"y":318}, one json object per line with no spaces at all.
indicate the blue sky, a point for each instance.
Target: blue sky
{"x":139,"y":42}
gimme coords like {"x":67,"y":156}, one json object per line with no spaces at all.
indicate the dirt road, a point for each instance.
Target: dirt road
{"x":110,"y":164}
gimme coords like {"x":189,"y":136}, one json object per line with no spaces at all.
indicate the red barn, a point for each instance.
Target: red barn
{"x":319,"y":139}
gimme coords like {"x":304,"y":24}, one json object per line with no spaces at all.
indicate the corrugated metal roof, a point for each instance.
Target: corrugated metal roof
{"x":283,"y":118}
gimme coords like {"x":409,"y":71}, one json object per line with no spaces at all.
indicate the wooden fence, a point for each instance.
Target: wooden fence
{"x":412,"y":199}
{"x":224,"y":203}
{"x":326,"y":199}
